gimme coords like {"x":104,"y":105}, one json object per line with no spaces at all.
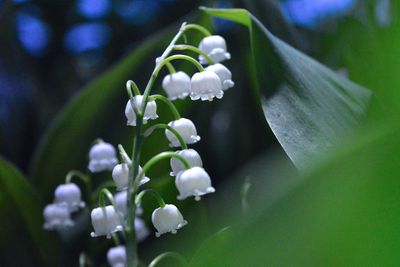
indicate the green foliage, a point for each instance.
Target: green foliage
{"x":308,"y":107}
{"x":21,"y":224}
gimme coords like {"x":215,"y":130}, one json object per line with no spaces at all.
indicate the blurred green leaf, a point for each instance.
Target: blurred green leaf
{"x":21,"y":223}
{"x":310,"y":108}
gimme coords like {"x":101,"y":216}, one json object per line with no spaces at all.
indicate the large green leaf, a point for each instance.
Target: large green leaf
{"x":23,"y":242}
{"x":310,"y":108}
{"x":97,"y":111}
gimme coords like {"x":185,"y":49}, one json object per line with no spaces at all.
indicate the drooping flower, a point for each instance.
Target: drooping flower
{"x":120,"y":175}
{"x":56,"y":217}
{"x":176,"y":85}
{"x":105,"y":221}
{"x":215,"y":47}
{"x":121,"y":204}
{"x":69,"y":196}
{"x":116,"y":256}
{"x":206,"y":85}
{"x":102,"y":157}
{"x":186,"y":129}
{"x":150,"y":112}
{"x":142,"y":232}
{"x":191,"y":156}
{"x":224,"y":75}
{"x":193,"y":182}
{"x":167,"y":219}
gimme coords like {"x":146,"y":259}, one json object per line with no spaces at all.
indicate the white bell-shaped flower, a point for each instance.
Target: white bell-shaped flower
{"x":120,"y":175}
{"x":215,"y":47}
{"x":105,"y":221}
{"x":167,"y":219}
{"x":193,"y":182}
{"x":177,"y":85}
{"x":191,"y":156}
{"x":150,"y":112}
{"x":186,"y":129}
{"x":102,"y":157}
{"x":206,"y":85}
{"x":224,"y":75}
{"x":121,"y":204}
{"x":116,"y":256}
{"x":69,"y":196}
{"x":142,"y":232}
{"x":56,"y":217}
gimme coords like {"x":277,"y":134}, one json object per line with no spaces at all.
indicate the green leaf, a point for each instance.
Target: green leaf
{"x":96,"y":112}
{"x":21,"y":224}
{"x":309,"y":108}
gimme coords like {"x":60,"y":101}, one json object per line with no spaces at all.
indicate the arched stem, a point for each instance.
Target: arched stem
{"x":124,"y":155}
{"x":169,"y":128}
{"x":199,"y":28}
{"x":132,"y":85}
{"x":84,"y":178}
{"x":196,"y":50}
{"x":169,"y":103}
{"x":175,"y":57}
{"x":103,"y":195}
{"x":154,"y":194}
{"x":176,"y":256}
{"x":162,"y":156}
{"x":170,"y":67}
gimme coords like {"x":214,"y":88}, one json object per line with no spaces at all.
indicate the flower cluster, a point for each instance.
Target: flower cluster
{"x":122,"y":214}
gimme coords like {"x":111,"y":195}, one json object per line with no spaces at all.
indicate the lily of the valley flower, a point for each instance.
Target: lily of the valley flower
{"x":215,"y":47}
{"x":167,"y":219}
{"x":56,"y":217}
{"x":177,"y":85}
{"x":224,"y":75}
{"x":193,"y":182}
{"x":116,"y":256}
{"x":120,"y":175}
{"x":102,"y":157}
{"x":191,"y":156}
{"x":206,"y":85}
{"x":186,"y":129}
{"x":121,"y":204}
{"x":69,"y":196}
{"x":142,"y":232}
{"x":105,"y":221}
{"x":150,"y":111}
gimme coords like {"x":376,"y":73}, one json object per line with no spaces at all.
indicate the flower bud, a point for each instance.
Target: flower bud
{"x":105,"y":221}
{"x":121,"y":204}
{"x":191,"y":156}
{"x":206,"y":85}
{"x":193,"y":182}
{"x":167,"y":219}
{"x":177,"y":85}
{"x":142,"y":232}
{"x":116,"y":256}
{"x":215,"y":47}
{"x":120,"y":175}
{"x":186,"y":129}
{"x":69,"y":196}
{"x":224,"y":75}
{"x":150,"y":111}
{"x":56,"y":217}
{"x":102,"y":157}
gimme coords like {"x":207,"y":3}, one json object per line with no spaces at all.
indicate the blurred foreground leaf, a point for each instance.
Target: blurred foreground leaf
{"x":23,"y":242}
{"x":310,"y":108}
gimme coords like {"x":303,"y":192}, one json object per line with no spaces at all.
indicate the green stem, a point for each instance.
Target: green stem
{"x":96,"y":192}
{"x":132,"y":85}
{"x":162,"y":156}
{"x":197,"y":28}
{"x":169,"y":103}
{"x":196,"y":50}
{"x":131,"y":244}
{"x":103,"y":195}
{"x":83,"y":260}
{"x":178,"y":257}
{"x":169,"y":128}
{"x":115,"y":238}
{"x":84,"y":178}
{"x":175,"y":57}
{"x":154,"y":193}
{"x":124,"y":155}
{"x":170,"y":67}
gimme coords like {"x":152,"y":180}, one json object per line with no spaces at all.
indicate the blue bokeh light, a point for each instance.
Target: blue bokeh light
{"x":310,"y":13}
{"x":93,"y":9}
{"x":138,"y":12}
{"x":32,"y":33}
{"x":86,"y":37}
